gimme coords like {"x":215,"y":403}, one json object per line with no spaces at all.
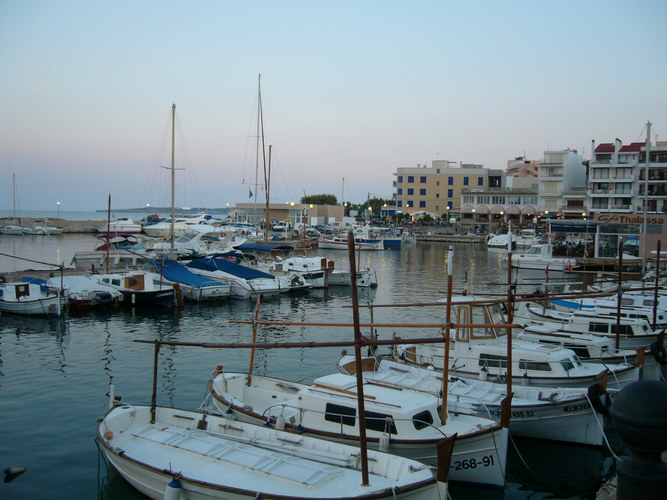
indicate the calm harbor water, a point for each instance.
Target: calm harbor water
{"x":55,"y":374}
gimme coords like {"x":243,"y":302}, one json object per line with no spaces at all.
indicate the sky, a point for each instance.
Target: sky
{"x":350,"y":91}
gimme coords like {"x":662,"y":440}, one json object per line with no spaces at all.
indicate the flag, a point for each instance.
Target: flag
{"x":250,"y":193}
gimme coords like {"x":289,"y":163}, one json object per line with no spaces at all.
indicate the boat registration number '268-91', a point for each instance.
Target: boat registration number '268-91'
{"x":473,"y":463}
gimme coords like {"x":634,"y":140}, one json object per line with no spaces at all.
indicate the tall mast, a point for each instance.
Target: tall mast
{"x":260,"y":135}
{"x":646,"y":171}
{"x":266,"y":212}
{"x":14,"y":193}
{"x":171,"y":227}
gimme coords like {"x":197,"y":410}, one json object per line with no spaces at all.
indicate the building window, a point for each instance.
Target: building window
{"x":400,"y":178}
{"x":410,"y":203}
{"x":422,"y":204}
{"x":450,"y":181}
{"x":422,"y":179}
{"x":399,"y":203}
{"x":480,"y":181}
{"x":437,"y":195}
{"x":411,"y":179}
{"x":437,"y":208}
{"x":400,"y":191}
{"x":437,"y":183}
{"x":422,"y":192}
{"x":450,"y":204}
{"x":466,"y":181}
{"x":450,"y":193}
{"x":411,"y":191}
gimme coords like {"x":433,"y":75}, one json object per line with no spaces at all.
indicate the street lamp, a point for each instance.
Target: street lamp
{"x":58,"y":203}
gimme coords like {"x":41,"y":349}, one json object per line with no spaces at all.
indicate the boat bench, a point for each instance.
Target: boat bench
{"x":241,"y":454}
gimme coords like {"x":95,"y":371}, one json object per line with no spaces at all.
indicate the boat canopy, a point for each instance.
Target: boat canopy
{"x":175,"y":271}
{"x":254,"y":247}
{"x":229,"y":267}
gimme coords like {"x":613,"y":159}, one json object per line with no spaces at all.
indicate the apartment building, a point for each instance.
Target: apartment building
{"x":437,"y":189}
{"x":618,"y":178}
{"x":559,"y":172}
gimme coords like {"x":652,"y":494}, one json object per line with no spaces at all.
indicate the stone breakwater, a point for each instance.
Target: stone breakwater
{"x":69,"y":226}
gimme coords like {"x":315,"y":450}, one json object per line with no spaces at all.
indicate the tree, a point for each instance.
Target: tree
{"x":319,"y":199}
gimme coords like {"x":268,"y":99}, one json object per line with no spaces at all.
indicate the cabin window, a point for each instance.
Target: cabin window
{"x":115,"y":282}
{"x":540,"y":366}
{"x":625,"y":329}
{"x":568,"y":364}
{"x":578,"y":350}
{"x":598,"y":327}
{"x":380,"y":422}
{"x":492,"y":361}
{"x":423,"y":419}
{"x":340,"y":414}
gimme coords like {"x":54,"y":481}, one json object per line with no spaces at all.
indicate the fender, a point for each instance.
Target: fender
{"x":595,"y":393}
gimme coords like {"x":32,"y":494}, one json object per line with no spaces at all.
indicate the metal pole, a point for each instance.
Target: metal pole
{"x":657,"y":284}
{"x":619,"y":292}
{"x":646,"y":171}
{"x":445,"y":363}
{"x":154,"y":396}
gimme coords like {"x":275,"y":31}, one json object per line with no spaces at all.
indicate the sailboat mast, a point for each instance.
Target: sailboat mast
{"x":260,"y":135}
{"x":646,"y":171}
{"x":14,"y":193}
{"x":171,"y":226}
{"x":266,"y":212}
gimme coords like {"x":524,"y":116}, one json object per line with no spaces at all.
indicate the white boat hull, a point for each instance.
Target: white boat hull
{"x":216,"y":458}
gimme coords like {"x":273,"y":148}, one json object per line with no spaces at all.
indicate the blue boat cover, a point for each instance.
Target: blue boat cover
{"x":252,"y":247}
{"x":226,"y":266}
{"x":175,"y":271}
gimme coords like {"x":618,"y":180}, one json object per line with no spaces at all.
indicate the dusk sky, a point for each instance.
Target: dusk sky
{"x":350,"y":89}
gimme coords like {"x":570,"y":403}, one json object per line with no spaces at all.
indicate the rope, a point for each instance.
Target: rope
{"x":604,"y":435}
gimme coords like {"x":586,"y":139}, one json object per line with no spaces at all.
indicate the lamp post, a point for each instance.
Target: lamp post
{"x":58,"y":204}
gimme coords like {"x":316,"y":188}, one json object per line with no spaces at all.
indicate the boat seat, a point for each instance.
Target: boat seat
{"x":248,"y":454}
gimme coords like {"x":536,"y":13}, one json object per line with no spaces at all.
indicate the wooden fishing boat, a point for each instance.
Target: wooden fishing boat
{"x":403,"y":422}
{"x":555,"y":414}
{"x":481,"y":351}
{"x":29,"y":299}
{"x":139,"y":288}
{"x":169,"y":453}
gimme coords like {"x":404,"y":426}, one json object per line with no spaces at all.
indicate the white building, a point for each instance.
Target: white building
{"x":560,"y":171}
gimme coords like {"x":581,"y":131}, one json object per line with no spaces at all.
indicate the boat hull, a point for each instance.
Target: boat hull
{"x":215,"y":458}
{"x":163,"y":298}
{"x":39,"y":307}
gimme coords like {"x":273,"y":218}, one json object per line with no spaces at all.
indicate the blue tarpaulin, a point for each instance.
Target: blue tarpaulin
{"x":228,"y":267}
{"x":175,"y":271}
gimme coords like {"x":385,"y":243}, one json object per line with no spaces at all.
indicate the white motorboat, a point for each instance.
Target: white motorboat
{"x":122,"y":251}
{"x":42,"y":228}
{"x":313,"y":270}
{"x":558,"y":414}
{"x":403,"y":422}
{"x":84,"y":293}
{"x":603,"y":307}
{"x":340,"y":243}
{"x":169,"y":453}
{"x":541,"y":257}
{"x":194,"y":287}
{"x":482,"y":351}
{"x":122,"y":225}
{"x":139,"y":288}
{"x":30,"y":299}
{"x":500,"y":241}
{"x":527,"y":238}
{"x":245,"y":281}
{"x":633,"y":332}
